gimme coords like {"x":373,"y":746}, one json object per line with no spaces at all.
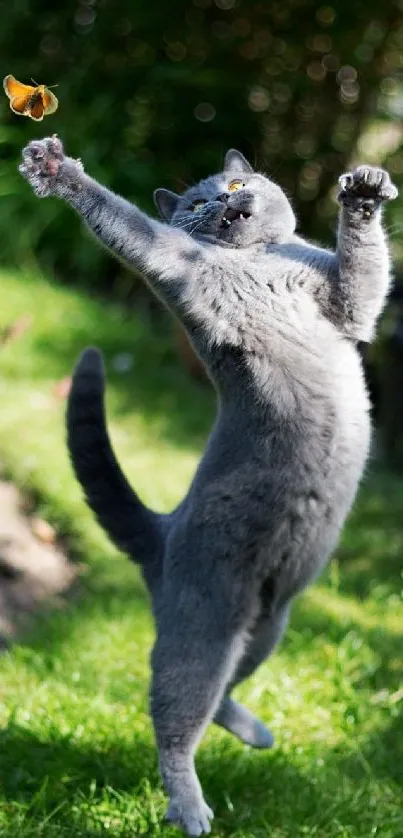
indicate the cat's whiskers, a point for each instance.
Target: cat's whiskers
{"x":196,"y":227}
{"x":184,"y":225}
{"x":188,"y":225}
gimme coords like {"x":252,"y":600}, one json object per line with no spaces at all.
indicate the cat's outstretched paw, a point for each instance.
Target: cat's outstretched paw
{"x":191,"y":815}
{"x":46,"y":168}
{"x":368,"y":182}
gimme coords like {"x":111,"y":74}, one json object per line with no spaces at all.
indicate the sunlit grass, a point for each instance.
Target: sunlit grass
{"x":76,"y":748}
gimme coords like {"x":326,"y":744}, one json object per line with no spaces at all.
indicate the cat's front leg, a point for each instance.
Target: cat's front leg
{"x":363,"y":264}
{"x":168,"y":257}
{"x":119,"y":225}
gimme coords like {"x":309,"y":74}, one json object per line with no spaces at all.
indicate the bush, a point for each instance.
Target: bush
{"x":154,"y":93}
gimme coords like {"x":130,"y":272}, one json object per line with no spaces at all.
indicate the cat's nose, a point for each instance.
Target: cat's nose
{"x":223,"y":197}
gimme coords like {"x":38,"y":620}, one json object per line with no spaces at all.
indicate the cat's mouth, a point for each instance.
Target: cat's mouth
{"x":232,"y":215}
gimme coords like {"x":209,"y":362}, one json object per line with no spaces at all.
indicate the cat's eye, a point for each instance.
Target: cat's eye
{"x":197,"y":205}
{"x":235,"y":185}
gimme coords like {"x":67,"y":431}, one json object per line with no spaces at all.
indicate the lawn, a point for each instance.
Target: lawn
{"x":76,"y":747}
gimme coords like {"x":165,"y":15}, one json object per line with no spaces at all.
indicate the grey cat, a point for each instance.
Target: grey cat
{"x":276,"y":321}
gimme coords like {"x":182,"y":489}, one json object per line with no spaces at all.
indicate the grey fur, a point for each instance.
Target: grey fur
{"x":276,"y":321}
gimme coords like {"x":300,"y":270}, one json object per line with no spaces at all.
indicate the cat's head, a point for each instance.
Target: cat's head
{"x":238,"y":207}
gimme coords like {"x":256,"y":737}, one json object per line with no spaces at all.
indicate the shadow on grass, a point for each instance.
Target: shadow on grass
{"x":294,"y":800}
{"x":383,"y":751}
{"x":247,"y":789}
{"x":27,"y":760}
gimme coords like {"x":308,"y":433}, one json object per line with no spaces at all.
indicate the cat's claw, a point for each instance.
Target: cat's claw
{"x":192,"y":816}
{"x":46,"y":168}
{"x":367,"y":182}
{"x":41,"y":161}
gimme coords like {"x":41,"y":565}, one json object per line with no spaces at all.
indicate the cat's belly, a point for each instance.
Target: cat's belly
{"x":282,"y":490}
{"x":317,"y":515}
{"x":312,"y":529}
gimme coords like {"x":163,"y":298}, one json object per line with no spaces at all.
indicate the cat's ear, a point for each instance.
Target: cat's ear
{"x":166,"y":203}
{"x":236,"y":162}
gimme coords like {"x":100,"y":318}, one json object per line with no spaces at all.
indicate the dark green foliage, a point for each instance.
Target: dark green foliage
{"x":154,"y":93}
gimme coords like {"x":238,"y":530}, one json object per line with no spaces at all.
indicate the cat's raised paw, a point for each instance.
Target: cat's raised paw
{"x":367,"y":182}
{"x":41,"y":164}
{"x":193,"y":816}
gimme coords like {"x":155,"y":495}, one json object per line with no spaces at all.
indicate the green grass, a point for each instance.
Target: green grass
{"x":76,"y":748}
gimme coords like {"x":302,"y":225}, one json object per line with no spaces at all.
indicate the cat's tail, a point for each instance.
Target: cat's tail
{"x":133,"y":528}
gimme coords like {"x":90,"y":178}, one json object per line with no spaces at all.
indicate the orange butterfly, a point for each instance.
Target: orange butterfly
{"x":25,"y":100}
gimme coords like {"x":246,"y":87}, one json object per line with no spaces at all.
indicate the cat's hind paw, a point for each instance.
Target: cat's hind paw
{"x":193,"y":816}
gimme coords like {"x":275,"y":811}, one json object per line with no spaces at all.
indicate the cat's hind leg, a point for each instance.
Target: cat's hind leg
{"x":239,"y":721}
{"x":234,"y":717}
{"x":195,"y":655}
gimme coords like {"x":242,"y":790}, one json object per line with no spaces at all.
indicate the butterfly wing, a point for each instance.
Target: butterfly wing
{"x":50,"y":102}
{"x":35,"y":109}
{"x":15,"y":90}
{"x":19,"y":105}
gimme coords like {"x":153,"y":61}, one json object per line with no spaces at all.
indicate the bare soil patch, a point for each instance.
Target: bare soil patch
{"x":34,"y":570}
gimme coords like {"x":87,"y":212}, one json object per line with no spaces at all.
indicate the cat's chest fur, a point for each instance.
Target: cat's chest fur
{"x":268,"y":337}
{"x":259,"y":300}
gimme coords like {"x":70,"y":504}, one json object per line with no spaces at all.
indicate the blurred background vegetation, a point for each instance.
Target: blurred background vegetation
{"x":153,"y":94}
